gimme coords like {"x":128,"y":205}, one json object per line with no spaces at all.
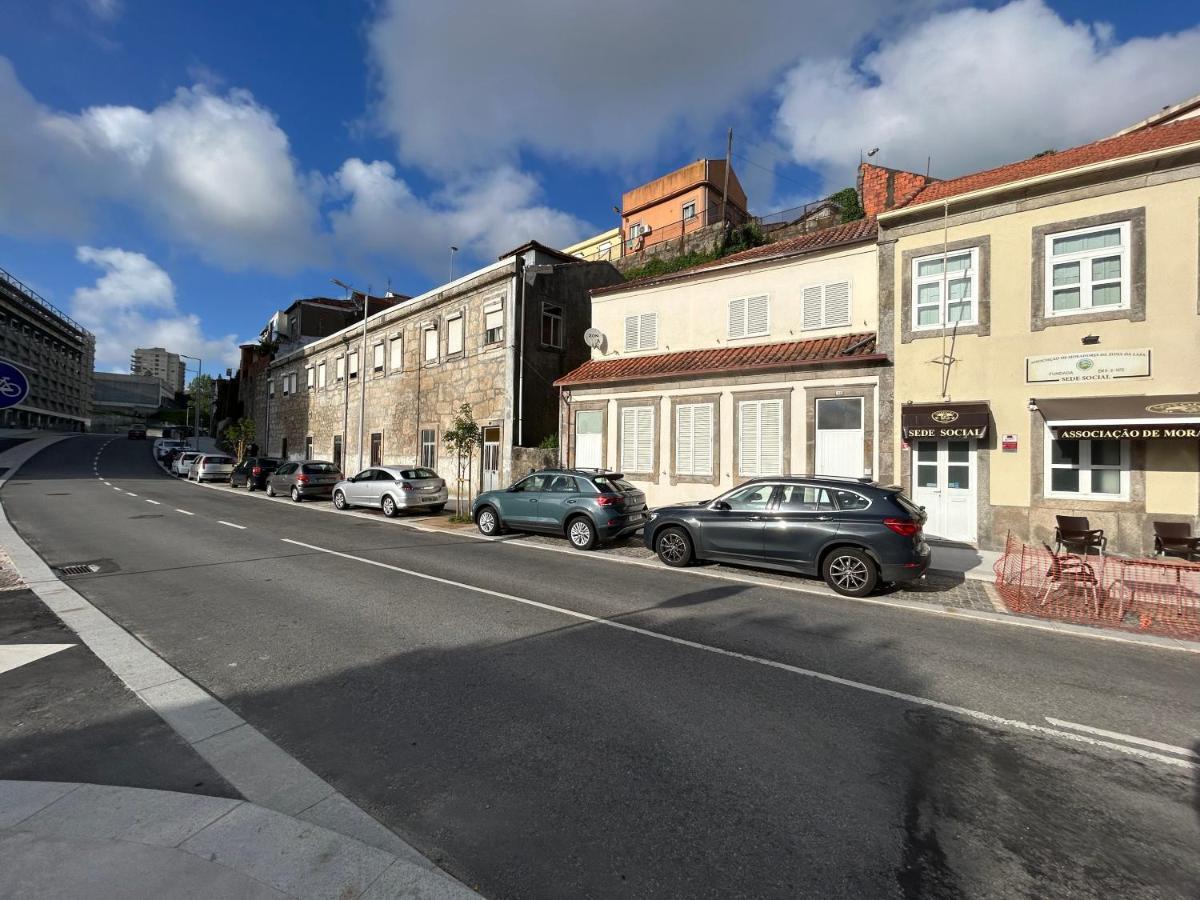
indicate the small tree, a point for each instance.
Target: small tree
{"x":202,"y":391}
{"x":461,"y":439}
{"x":241,"y":434}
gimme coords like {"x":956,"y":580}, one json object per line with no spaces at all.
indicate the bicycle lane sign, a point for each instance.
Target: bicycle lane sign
{"x":14,"y":385}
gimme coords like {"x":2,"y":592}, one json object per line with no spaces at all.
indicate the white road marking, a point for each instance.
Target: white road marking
{"x":988,"y":718}
{"x":131,"y":493}
{"x":1128,"y":738}
{"x":184,"y":511}
{"x":232,"y":524}
{"x":155,"y":502}
{"x":13,"y":656}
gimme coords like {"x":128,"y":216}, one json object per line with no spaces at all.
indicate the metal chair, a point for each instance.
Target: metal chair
{"x":1067,"y":569}
{"x":1175,"y":539}
{"x":1074,"y":535}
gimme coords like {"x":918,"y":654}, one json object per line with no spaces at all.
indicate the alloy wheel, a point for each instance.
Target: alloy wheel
{"x":848,"y":572}
{"x":672,"y":547}
{"x":581,"y":533}
{"x":487,"y":521}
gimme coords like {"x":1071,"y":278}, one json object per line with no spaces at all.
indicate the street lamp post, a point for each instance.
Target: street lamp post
{"x":195,"y":400}
{"x":362,"y":369}
{"x":453,"y":250}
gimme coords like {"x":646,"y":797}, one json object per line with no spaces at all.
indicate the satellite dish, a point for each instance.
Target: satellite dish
{"x":593,"y":337}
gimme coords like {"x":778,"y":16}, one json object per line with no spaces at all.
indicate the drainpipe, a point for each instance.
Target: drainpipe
{"x":521,"y":360}
{"x":362,"y":379}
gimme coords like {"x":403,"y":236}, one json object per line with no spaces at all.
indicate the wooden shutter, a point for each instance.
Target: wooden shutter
{"x":837,"y":303}
{"x":454,"y":334}
{"x":684,"y":440}
{"x":645,"y":439}
{"x":758,"y":316}
{"x":748,"y":444}
{"x":737,"y":318}
{"x":771,"y":437}
{"x":632,"y":332}
{"x":813,"y":317}
{"x":649,"y":329}
{"x":629,"y":439}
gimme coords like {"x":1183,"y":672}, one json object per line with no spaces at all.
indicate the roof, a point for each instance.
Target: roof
{"x":541,"y":248}
{"x":1169,"y":113}
{"x":690,"y":363}
{"x":822,"y":239}
{"x":1145,"y":140}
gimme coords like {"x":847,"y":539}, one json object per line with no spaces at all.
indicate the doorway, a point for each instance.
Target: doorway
{"x":944,"y":483}
{"x":840,"y":437}
{"x":589,"y":439}
{"x":377,"y":449}
{"x":491,"y":458}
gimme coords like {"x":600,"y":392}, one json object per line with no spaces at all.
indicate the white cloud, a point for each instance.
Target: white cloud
{"x":106,"y":10}
{"x":483,"y":215}
{"x":464,"y":83}
{"x":132,"y":304}
{"x":214,"y":171}
{"x":977,"y":88}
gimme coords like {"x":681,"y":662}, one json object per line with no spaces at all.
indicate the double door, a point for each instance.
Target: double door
{"x":944,"y":483}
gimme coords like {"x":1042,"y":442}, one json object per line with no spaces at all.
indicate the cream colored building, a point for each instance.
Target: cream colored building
{"x":602,"y":247}
{"x":1046,"y":331}
{"x":765,"y":362}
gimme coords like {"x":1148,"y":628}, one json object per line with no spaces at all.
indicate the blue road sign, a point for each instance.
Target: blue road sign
{"x":14,"y":385}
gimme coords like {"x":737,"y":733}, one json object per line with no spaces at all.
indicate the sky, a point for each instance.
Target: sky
{"x":172,"y":172}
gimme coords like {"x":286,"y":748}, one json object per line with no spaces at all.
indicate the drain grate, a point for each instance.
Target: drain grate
{"x":79,"y":569}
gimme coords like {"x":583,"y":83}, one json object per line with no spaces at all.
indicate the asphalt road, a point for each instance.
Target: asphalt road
{"x":549,"y":726}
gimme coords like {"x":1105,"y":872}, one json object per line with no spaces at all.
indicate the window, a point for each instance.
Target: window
{"x":694,"y":439}
{"x":337,"y":451}
{"x":283,"y":449}
{"x":377,"y":360}
{"x":429,"y":448}
{"x":430,"y":337}
{"x":270,"y":388}
{"x":396,"y":353}
{"x":377,"y":448}
{"x":353,"y":365}
{"x":826,"y":305}
{"x":552,"y":326}
{"x":308,"y":447}
{"x":932,"y":281}
{"x":310,"y":376}
{"x":689,"y":210}
{"x":749,"y":317}
{"x":454,"y":334}
{"x":760,"y":437}
{"x":641,"y":332}
{"x":752,"y":498}
{"x":635,"y":235}
{"x":287,"y":384}
{"x":293,"y":326}
{"x":493,"y":322}
{"x":851,"y":500}
{"x":1087,"y":270}
{"x":321,"y":373}
{"x":534,"y":484}
{"x":340,"y":368}
{"x":637,"y":439}
{"x":1095,"y":470}
{"x":605,"y":250}
{"x":804,"y":498}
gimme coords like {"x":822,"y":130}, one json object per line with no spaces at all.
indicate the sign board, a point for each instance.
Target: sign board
{"x":944,"y":420}
{"x":14,"y":385}
{"x":1008,"y":443}
{"x":1126,"y":432}
{"x":1103,"y":365}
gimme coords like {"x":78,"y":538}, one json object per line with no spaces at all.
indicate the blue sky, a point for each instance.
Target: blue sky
{"x":172,"y":172}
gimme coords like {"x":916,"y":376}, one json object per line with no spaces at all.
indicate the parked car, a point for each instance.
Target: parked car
{"x":854,"y":533}
{"x":586,"y":506}
{"x":137,"y":433}
{"x":253,"y":471}
{"x":211,"y":467}
{"x":183,"y":463}
{"x":164,"y":446}
{"x":304,"y":480}
{"x":392,"y":489}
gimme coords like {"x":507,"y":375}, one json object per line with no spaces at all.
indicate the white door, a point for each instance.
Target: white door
{"x":491,"y":458}
{"x":944,"y":483}
{"x":840,"y":439}
{"x":589,"y":439}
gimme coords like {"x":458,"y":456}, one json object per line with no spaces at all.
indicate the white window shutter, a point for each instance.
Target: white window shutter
{"x":645,"y":439}
{"x":649,"y":329}
{"x":758,"y":316}
{"x":629,"y":439}
{"x":684,"y":439}
{"x":737,"y":318}
{"x":837,"y":303}
{"x":771,"y":440}
{"x":812,"y":307}
{"x":631,"y":333}
{"x":748,"y":437}
{"x":702,"y":439}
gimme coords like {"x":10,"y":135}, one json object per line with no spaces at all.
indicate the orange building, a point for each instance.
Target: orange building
{"x":680,"y":202}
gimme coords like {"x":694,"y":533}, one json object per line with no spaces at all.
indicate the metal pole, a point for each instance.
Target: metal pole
{"x":453,"y":250}
{"x":728,"y":160}
{"x":521,"y":364}
{"x":362,"y":380}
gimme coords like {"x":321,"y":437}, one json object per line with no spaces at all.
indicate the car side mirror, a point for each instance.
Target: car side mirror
{"x":722,"y":506}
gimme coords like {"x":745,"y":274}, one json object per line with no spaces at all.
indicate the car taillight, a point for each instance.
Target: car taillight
{"x":407,"y":486}
{"x":257,"y":470}
{"x":608,"y":500}
{"x":301,"y":479}
{"x":904,"y":527}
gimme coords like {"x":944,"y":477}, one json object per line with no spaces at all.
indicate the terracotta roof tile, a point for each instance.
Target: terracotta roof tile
{"x":820,"y":351}
{"x":1148,"y":139}
{"x":825,"y":238}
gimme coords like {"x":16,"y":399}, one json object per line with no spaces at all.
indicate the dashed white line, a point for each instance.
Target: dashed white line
{"x":155,"y":502}
{"x":131,"y":493}
{"x":232,"y":524}
{"x":988,"y":718}
{"x":1128,"y":738}
{"x":184,"y":511}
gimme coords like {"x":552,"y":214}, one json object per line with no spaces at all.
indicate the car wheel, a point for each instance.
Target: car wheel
{"x":339,"y":500}
{"x":296,"y":498}
{"x":389,"y":507}
{"x":850,"y":572}
{"x":581,"y":533}
{"x":249,"y":484}
{"x":673,"y":547}
{"x":487,"y":522}
{"x":270,"y":490}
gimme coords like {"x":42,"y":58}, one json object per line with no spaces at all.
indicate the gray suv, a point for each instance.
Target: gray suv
{"x":587,"y":506}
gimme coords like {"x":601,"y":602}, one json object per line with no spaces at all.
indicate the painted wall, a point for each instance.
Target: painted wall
{"x":590,"y":248}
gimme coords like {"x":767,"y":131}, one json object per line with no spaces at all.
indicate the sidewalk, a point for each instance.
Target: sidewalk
{"x":67,"y":840}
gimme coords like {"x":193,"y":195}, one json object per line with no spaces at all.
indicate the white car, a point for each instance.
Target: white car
{"x":392,"y":489}
{"x":211,"y":467}
{"x":183,"y":463}
{"x":163,"y":446}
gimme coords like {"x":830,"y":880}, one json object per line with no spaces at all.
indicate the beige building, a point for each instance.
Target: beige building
{"x":602,"y":247}
{"x":1044,"y":319}
{"x":760,"y":363}
{"x":167,"y":367}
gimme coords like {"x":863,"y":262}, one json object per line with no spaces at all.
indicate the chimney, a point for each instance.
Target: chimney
{"x":881,"y":189}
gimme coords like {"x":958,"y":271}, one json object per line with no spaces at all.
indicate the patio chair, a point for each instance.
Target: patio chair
{"x":1068,"y":569}
{"x":1074,"y":535}
{"x":1175,"y":539}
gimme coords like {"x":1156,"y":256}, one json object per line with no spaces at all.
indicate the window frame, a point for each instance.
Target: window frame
{"x":456,"y":321}
{"x":739,"y":412}
{"x":378,"y":358}
{"x":940,"y":280}
{"x":693,"y":471}
{"x":422,"y":444}
{"x":395,"y":361}
{"x":652,"y":431}
{"x":1085,"y":470}
{"x":747,"y":333}
{"x":1084,"y":258}
{"x":494,"y":305}
{"x":339,"y":369}
{"x":322,"y":375}
{"x":683,"y":210}
{"x":310,"y":378}
{"x":554,"y":313}
{"x":426,"y":359}
{"x":352,"y":369}
{"x":824,"y":287}
{"x":640,"y":330}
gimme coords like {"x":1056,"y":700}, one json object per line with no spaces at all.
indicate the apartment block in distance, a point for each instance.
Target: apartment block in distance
{"x":167,"y":367}
{"x":56,"y":352}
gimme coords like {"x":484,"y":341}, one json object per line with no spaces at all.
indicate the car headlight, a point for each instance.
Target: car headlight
{"x":652,"y":517}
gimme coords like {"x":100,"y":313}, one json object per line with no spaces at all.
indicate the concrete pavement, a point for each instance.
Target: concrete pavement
{"x":543,"y":724}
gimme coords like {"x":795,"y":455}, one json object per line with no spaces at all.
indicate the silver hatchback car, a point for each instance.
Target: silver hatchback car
{"x":210,"y":467}
{"x":393,"y":489}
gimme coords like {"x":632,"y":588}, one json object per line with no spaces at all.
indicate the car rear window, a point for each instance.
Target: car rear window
{"x":851,"y":500}
{"x":417,"y":474}
{"x":909,"y":506}
{"x":609,"y":485}
{"x":320,"y":469}
{"x":219,"y":460}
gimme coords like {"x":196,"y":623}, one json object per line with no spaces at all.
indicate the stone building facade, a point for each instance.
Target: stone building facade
{"x":495,"y":339}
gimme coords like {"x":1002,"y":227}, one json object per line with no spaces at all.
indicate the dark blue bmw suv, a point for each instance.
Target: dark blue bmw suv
{"x":854,"y":533}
